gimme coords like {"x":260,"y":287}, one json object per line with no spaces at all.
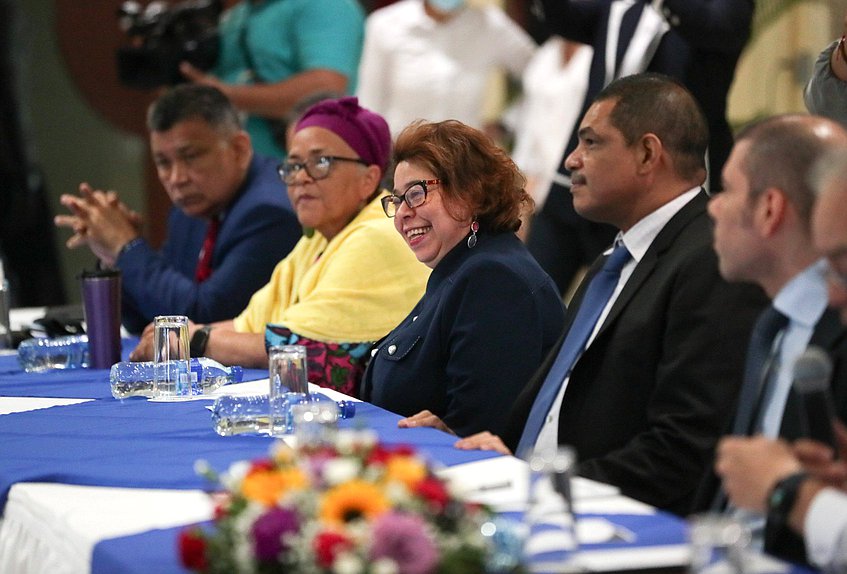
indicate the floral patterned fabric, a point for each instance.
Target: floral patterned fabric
{"x":338,"y":366}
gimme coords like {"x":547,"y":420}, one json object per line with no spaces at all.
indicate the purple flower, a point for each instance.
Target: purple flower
{"x":268,"y":531}
{"x":404,"y":539}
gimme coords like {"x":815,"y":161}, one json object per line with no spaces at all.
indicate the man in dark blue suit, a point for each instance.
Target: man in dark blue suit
{"x":230,"y":225}
{"x":763,"y":236}
{"x":697,"y":42}
{"x":653,"y":386}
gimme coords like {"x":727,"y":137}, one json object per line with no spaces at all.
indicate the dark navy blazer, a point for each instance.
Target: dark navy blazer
{"x":487,"y":320}
{"x":259,"y":229}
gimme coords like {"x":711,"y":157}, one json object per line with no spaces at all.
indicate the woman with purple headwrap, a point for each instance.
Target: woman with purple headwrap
{"x":350,"y":279}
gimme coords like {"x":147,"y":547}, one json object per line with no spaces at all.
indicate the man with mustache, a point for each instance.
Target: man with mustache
{"x":644,"y":379}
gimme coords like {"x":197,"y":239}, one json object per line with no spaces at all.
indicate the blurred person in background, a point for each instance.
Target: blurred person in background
{"x":763,"y":236}
{"x":553,"y":89}
{"x":801,"y":487}
{"x":276,"y":52}
{"x":698,"y":42}
{"x":826,"y":92}
{"x":432,"y":60}
{"x":230,"y":224}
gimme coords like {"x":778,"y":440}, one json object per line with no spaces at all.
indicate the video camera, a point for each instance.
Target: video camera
{"x":161,"y":36}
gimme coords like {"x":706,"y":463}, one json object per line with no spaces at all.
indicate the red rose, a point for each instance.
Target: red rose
{"x":327,"y":545}
{"x":433,"y":491}
{"x":262,"y":465}
{"x":403,"y":450}
{"x":192,"y":549}
{"x":379,"y":455}
{"x":222,"y":504}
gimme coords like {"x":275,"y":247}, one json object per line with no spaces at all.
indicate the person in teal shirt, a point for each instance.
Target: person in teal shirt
{"x":276,"y":52}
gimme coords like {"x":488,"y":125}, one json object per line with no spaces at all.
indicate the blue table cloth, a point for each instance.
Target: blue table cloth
{"x":142,"y":444}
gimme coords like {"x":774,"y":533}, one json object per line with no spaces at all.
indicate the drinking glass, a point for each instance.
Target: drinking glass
{"x":315,"y":423}
{"x":551,"y":542}
{"x":171,"y":357}
{"x":288,"y":384}
{"x":719,"y":543}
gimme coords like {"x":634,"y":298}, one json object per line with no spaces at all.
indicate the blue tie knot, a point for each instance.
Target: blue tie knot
{"x":617,"y":259}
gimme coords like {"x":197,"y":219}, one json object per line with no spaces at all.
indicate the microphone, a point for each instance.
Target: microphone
{"x":812,"y":372}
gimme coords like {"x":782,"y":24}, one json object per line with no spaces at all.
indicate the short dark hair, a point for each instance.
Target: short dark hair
{"x":474,"y":171}
{"x":782,"y":154}
{"x":187,"y":101}
{"x":658,"y":104}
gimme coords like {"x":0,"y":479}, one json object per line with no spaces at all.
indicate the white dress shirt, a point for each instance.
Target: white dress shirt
{"x":553,"y":93}
{"x":413,"y":67}
{"x":825,"y":530}
{"x":637,"y":241}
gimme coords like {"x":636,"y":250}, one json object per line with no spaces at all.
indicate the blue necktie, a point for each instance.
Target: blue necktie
{"x":596,"y":297}
{"x":757,"y":370}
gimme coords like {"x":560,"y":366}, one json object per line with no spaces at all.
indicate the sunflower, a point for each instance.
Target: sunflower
{"x":352,"y":500}
{"x":267,"y":486}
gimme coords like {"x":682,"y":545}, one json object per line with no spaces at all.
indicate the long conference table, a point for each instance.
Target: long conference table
{"x":89,"y":483}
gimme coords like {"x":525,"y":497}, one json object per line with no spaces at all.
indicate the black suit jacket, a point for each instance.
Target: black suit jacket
{"x":648,"y":399}
{"x":830,"y":335}
{"x":701,"y":50}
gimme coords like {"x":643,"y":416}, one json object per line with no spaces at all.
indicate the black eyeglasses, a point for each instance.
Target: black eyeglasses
{"x":414,"y":196}
{"x":317,"y":167}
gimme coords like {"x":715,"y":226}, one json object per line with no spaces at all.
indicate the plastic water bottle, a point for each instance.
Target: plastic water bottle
{"x":346,"y":409}
{"x":232,"y":415}
{"x":136,"y":379}
{"x":43,"y":354}
{"x":5,"y":304}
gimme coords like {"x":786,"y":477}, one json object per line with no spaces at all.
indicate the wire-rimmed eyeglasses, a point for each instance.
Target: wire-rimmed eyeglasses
{"x":414,"y":196}
{"x":317,"y":167}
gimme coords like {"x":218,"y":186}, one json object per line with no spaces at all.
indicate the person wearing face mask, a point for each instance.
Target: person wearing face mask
{"x":490,"y":314}
{"x":431,"y":59}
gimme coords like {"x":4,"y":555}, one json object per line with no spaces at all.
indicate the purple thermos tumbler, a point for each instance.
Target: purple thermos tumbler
{"x":101,"y":296}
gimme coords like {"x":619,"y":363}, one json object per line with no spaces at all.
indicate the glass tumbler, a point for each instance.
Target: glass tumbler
{"x":172,"y":376}
{"x":551,"y":541}
{"x":289,"y":384}
{"x":315,"y":423}
{"x":719,"y":543}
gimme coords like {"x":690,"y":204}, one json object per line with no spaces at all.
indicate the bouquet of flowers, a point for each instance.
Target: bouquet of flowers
{"x":352,"y":506}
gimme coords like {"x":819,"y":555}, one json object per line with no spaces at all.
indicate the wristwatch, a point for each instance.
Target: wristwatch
{"x":199,"y":340}
{"x":781,"y":499}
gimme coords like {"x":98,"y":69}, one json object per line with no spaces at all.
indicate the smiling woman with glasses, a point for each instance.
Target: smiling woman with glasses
{"x":489,"y":314}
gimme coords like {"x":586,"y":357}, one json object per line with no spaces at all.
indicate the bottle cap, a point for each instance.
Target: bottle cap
{"x":346,"y":409}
